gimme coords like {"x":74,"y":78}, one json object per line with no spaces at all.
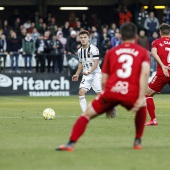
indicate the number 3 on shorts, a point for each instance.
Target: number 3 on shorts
{"x":126,"y":69}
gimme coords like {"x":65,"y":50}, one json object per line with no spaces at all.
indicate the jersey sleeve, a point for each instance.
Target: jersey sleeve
{"x":95,"y":52}
{"x":154,"y":44}
{"x":105,"y":67}
{"x":146,"y":57}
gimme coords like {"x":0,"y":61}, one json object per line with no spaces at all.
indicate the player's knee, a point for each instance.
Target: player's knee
{"x":81,"y":93}
{"x":89,"y":115}
{"x":149,"y":93}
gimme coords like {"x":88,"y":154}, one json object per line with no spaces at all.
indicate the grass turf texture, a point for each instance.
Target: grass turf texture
{"x":27,"y":141}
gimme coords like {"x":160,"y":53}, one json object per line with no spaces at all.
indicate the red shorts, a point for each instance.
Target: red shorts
{"x":107,"y":100}
{"x":158,"y":82}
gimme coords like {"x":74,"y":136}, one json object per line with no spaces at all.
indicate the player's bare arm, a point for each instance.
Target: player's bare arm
{"x":75,"y":77}
{"x":157,"y":58}
{"x":143,"y":85}
{"x":104,"y":80}
{"x":96,"y":62}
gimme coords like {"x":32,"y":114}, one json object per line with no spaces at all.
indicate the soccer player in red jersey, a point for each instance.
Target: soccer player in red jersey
{"x":125,"y":73}
{"x":161,"y":53}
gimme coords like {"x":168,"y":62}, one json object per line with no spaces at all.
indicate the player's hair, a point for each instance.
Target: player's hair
{"x":128,"y":31}
{"x":84,"y":32}
{"x":164,"y":29}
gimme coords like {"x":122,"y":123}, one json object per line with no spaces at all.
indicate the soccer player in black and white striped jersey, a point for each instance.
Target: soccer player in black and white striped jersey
{"x":88,"y":56}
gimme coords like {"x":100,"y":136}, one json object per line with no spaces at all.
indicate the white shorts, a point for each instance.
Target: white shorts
{"x":92,"y":80}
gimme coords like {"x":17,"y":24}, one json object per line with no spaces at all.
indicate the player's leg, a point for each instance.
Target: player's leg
{"x":85,"y":86}
{"x":82,"y":99}
{"x":151,"y":107}
{"x":96,"y":108}
{"x":78,"y":129}
{"x":140,"y":119}
{"x":96,"y":85}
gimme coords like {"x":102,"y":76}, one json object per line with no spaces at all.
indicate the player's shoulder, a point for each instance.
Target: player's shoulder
{"x":79,"y":50}
{"x":93,"y":47}
{"x":157,"y":41}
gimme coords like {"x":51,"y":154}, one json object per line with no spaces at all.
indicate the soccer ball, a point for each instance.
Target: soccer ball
{"x":48,"y":114}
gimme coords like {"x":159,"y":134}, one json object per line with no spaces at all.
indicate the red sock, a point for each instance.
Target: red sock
{"x":150,"y":107}
{"x":79,"y":128}
{"x":140,"y":121}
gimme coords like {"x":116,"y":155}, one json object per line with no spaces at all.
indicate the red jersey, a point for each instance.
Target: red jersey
{"x":163,"y":51}
{"x":123,"y":65}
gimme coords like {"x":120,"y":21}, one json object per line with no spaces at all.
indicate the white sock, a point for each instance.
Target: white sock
{"x":83,"y":103}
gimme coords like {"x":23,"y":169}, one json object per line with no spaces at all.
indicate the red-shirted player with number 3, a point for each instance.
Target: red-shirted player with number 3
{"x":125,"y":73}
{"x":161,"y":53}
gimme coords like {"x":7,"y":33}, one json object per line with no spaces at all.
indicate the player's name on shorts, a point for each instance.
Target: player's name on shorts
{"x":48,"y":93}
{"x":127,"y":50}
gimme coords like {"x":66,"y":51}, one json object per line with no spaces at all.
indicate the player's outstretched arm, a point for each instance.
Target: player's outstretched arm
{"x":143,"y":83}
{"x":96,"y":62}
{"x":75,"y":77}
{"x":157,"y":58}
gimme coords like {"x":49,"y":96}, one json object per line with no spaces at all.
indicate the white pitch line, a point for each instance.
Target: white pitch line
{"x":8,"y":98}
{"x":64,"y":117}
{"x":34,"y":117}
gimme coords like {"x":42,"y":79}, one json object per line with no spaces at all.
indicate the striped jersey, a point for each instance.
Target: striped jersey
{"x":87,"y":57}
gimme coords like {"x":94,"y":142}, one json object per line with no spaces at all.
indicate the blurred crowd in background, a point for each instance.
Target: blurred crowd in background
{"x":40,"y":44}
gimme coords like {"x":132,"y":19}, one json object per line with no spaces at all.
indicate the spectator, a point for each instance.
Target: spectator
{"x":16,"y":26}
{"x":35,"y":18}
{"x":23,"y":33}
{"x":40,"y":55}
{"x":65,"y":29}
{"x":78,"y":26}
{"x":70,"y":40}
{"x":30,"y":30}
{"x":142,"y":15}
{"x":166,"y":14}
{"x":43,"y":29}
{"x":39,"y":24}
{"x":84,"y":21}
{"x":93,"y":38}
{"x":6,"y":28}
{"x":72,"y":20}
{"x":28,"y":47}
{"x":61,"y":38}
{"x":57,"y":55}
{"x":151,"y":39}
{"x":35,"y":34}
{"x":112,"y":30}
{"x":105,"y":47}
{"x":3,"y":50}
{"x":51,"y":25}
{"x":95,"y":21}
{"x":124,"y":15}
{"x":151,"y":24}
{"x":115,"y":41}
{"x":104,"y":35}
{"x":14,"y":46}
{"x":97,"y":37}
{"x":135,"y":7}
{"x":27,"y":24}
{"x":47,"y":49}
{"x":48,"y":18}
{"x":143,"y":40}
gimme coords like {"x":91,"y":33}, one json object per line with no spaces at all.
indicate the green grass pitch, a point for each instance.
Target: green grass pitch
{"x":27,"y":141}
